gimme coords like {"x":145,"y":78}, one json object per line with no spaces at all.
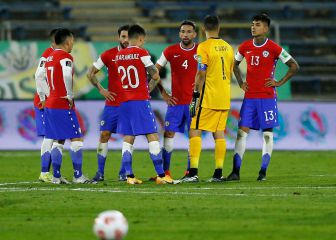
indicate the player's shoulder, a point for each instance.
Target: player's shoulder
{"x":47,"y":52}
{"x":247,"y":43}
{"x":273,"y":44}
{"x":61,"y":54}
{"x":110,"y":52}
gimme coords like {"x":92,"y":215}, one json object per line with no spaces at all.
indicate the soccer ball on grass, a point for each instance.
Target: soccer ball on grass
{"x":110,"y":225}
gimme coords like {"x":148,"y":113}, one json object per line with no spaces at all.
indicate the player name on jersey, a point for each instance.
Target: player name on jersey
{"x":127,"y":57}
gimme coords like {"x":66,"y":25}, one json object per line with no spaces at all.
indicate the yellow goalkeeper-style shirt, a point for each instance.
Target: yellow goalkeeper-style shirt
{"x":218,"y":56}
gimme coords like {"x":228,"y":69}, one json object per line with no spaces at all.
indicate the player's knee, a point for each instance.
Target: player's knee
{"x":154,"y":147}
{"x":168,"y":144}
{"x":105,"y":136}
{"x":57,"y":145}
{"x":76,"y":146}
{"x":241,"y":134}
{"x":268,"y":136}
{"x":168,"y":134}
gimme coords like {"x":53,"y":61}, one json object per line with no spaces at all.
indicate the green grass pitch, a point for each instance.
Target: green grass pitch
{"x":298,"y":200}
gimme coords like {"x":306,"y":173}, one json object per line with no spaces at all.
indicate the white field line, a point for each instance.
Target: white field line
{"x":332,"y":187}
{"x":18,"y":189}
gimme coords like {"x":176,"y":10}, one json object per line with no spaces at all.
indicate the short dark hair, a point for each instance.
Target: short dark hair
{"x":123,"y":28}
{"x":211,"y":22}
{"x":262,"y":17}
{"x":61,"y":35}
{"x":53,"y":32}
{"x":135,"y":31}
{"x":188,"y":22}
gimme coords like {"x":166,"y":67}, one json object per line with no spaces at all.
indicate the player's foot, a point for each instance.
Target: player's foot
{"x":45,"y":177}
{"x":133,"y":181}
{"x":167,"y":172}
{"x":164,"y":180}
{"x":122,"y":177}
{"x":153,"y":179}
{"x":262,"y":176}
{"x":233,"y":177}
{"x":84,"y":180}
{"x":187,"y":179}
{"x":99,"y":177}
{"x":214,"y":179}
{"x":60,"y":180}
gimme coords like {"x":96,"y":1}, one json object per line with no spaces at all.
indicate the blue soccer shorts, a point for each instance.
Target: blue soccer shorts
{"x":62,"y":124}
{"x":259,"y":113}
{"x":136,"y":118}
{"x":109,"y":120}
{"x":177,"y":117}
{"x":40,"y":121}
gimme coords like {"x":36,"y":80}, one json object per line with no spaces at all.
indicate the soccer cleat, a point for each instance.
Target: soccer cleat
{"x":122,"y":178}
{"x":99,"y":177}
{"x":187,"y":179}
{"x":167,"y":172}
{"x":233,"y":177}
{"x":262,"y":176}
{"x":83,"y":179}
{"x":164,"y":180}
{"x":133,"y":181}
{"x":60,"y":180}
{"x":214,"y":179}
{"x":45,"y":177}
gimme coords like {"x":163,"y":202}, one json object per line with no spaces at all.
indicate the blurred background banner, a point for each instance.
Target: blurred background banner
{"x":18,"y":62}
{"x":303,"y":126}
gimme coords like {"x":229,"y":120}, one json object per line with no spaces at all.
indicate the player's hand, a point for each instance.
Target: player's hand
{"x":41,"y":105}
{"x":71,"y":103}
{"x":107,"y":95}
{"x":171,"y":101}
{"x":193,"y":104}
{"x":244,"y":86}
{"x":271,"y":82}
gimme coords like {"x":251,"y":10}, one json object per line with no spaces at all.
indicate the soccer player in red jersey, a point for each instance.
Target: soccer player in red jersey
{"x":42,"y":91}
{"x":61,"y":119}
{"x":109,"y":119}
{"x":259,"y":109}
{"x":183,"y":64}
{"x":135,"y":113}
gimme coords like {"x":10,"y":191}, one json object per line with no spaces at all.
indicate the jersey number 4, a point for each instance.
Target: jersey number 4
{"x":131,"y":73}
{"x":185,"y":64}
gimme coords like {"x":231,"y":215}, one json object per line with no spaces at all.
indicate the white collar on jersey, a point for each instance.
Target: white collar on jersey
{"x":187,"y":49}
{"x":261,"y":44}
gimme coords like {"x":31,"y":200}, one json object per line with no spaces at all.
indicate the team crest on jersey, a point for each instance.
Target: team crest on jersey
{"x":265,"y":53}
{"x":102,"y":123}
{"x":196,"y":57}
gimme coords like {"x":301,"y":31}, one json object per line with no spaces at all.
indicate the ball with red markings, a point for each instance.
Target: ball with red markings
{"x":110,"y":225}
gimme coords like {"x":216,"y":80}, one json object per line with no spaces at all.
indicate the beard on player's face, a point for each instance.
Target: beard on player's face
{"x":124,"y":44}
{"x":186,"y":42}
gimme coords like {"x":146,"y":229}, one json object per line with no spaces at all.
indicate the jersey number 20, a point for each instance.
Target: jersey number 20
{"x":131,"y":73}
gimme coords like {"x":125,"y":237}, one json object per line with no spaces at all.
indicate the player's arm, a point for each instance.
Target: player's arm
{"x":154,"y":77}
{"x":236,"y":71}
{"x":91,"y":75}
{"x":199,"y":82}
{"x":171,"y":101}
{"x":42,"y":88}
{"x":293,"y":68}
{"x":67,"y":77}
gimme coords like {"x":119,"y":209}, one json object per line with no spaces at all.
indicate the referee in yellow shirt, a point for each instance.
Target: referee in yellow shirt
{"x":211,"y":98}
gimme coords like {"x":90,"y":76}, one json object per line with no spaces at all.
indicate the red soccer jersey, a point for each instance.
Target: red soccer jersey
{"x":59,"y":68}
{"x":43,"y":58}
{"x":183,"y":65}
{"x":107,"y":58}
{"x":261,"y":62}
{"x":132,"y":62}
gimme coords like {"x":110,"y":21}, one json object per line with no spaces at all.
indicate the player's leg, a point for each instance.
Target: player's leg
{"x":168,"y":146}
{"x":248,"y":119}
{"x":45,"y":175}
{"x":102,"y":154}
{"x":56,"y":158}
{"x":268,"y":116}
{"x":195,"y":147}
{"x":127,"y":159}
{"x":156,"y":156}
{"x":76,"y":154}
{"x":220,"y":146}
{"x":266,"y":153}
{"x":40,"y":119}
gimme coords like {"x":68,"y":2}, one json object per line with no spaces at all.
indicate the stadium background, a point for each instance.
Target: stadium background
{"x":305,"y":28}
